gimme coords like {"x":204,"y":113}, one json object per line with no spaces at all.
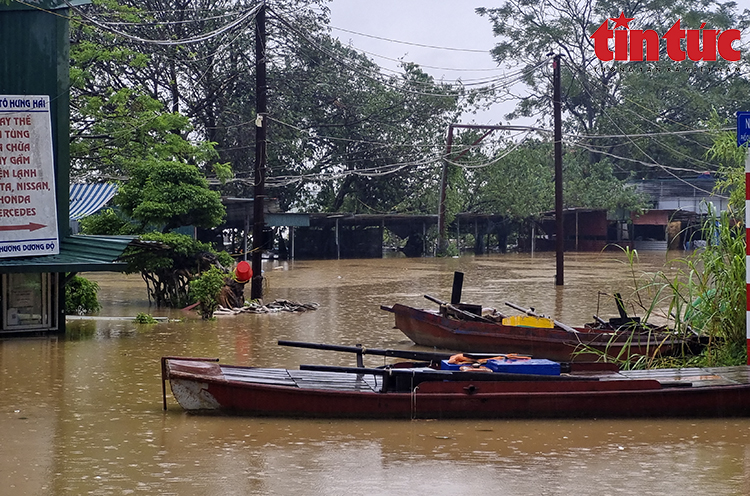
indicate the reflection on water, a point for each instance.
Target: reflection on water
{"x":82,"y":414}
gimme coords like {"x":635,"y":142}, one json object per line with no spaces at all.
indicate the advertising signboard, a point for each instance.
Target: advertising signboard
{"x":28,"y":205}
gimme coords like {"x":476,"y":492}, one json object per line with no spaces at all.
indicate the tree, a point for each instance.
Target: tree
{"x":380,"y":139}
{"x":81,"y":296}
{"x":170,"y":194}
{"x":117,"y":117}
{"x":206,"y":288}
{"x":618,"y":98}
{"x":168,"y":262}
{"x":516,"y":180}
{"x":109,"y":222}
{"x":343,"y":136}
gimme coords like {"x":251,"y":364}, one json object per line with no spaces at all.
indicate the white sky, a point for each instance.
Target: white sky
{"x":439,"y":23}
{"x":443,"y":23}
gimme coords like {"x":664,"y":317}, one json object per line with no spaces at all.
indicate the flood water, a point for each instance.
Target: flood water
{"x":82,"y":413}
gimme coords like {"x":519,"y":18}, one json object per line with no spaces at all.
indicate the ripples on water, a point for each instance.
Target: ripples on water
{"x":82,"y":414}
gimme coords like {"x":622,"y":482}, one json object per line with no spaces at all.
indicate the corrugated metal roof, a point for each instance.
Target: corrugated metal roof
{"x":77,"y":254}
{"x":87,"y":199}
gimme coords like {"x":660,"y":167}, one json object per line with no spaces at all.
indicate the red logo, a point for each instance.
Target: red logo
{"x":630,"y":44}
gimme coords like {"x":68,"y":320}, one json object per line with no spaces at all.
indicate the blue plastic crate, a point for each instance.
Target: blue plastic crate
{"x":444,"y":365}
{"x":539,"y":366}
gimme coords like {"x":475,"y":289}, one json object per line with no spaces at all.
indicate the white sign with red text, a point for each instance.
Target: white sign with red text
{"x":28,"y":202}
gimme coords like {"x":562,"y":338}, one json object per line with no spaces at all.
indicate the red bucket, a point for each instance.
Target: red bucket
{"x":243,"y":272}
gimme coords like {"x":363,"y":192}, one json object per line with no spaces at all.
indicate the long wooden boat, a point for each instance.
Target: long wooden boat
{"x":442,"y":330}
{"x":418,"y":390}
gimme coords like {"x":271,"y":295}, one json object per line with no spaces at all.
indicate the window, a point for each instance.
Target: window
{"x":28,"y":301}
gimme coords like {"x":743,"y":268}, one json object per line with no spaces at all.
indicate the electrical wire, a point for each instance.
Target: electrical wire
{"x":653,"y":163}
{"x":645,"y":135}
{"x":373,"y":74}
{"x":185,"y":41}
{"x":309,"y":133}
{"x":468,"y":50}
{"x":378,"y":76}
{"x":493,"y":160}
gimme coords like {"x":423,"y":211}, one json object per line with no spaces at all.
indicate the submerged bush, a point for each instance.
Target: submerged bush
{"x":145,"y":318}
{"x":81,"y":296}
{"x":206,"y":289}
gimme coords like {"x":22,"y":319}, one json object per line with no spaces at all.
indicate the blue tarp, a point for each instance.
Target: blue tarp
{"x":87,"y":199}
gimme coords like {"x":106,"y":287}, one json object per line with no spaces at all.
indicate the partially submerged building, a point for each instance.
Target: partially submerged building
{"x":674,"y":220}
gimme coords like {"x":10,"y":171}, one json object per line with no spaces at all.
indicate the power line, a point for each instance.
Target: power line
{"x":646,"y":135}
{"x":653,"y":163}
{"x":248,"y":15}
{"x":358,"y":68}
{"x":468,"y":50}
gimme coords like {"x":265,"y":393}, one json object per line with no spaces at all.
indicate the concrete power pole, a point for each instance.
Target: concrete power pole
{"x":559,"y":229}
{"x":256,"y":288}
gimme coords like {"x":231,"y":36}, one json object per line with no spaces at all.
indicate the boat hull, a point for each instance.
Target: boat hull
{"x":433,"y":330}
{"x":670,"y":393}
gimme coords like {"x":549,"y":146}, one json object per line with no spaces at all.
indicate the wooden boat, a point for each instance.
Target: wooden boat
{"x":452,"y":331}
{"x":418,"y":390}
{"x":466,"y":327}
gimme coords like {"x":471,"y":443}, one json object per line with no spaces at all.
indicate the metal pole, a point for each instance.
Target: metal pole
{"x":560,"y":235}
{"x":338,"y":246}
{"x":291,"y":238}
{"x":256,"y":291}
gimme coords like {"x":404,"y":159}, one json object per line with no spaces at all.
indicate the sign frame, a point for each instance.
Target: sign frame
{"x":28,"y":193}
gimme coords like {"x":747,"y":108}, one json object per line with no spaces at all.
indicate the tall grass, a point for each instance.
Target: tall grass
{"x":704,"y":292}
{"x":700,"y":295}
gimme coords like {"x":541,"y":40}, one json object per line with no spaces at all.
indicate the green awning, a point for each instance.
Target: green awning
{"x":78,"y":253}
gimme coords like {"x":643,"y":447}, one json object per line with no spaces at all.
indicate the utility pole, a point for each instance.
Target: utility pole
{"x":442,"y":242}
{"x":559,"y":232}
{"x":256,"y":287}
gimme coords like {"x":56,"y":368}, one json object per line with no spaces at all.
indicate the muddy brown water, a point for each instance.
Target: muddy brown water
{"x":82,"y":413}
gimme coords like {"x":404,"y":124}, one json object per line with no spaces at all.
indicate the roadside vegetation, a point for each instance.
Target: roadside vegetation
{"x":703,"y":292}
{"x":81,"y":296}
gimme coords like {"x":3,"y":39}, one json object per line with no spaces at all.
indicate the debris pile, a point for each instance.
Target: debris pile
{"x":257,"y":306}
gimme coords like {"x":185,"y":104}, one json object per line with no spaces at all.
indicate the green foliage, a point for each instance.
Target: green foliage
{"x":81,"y":296}
{"x":206,"y":288}
{"x":108,"y":222}
{"x":375,"y":136}
{"x":145,"y":318}
{"x":168,"y":262}
{"x":355,"y":140}
{"x":706,"y":291}
{"x":171,"y":194}
{"x":520,"y":186}
{"x":223,"y":172}
{"x":594,"y":185}
{"x":615,"y":98}
{"x":717,"y":272}
{"x":117,"y":118}
{"x":731,"y":158}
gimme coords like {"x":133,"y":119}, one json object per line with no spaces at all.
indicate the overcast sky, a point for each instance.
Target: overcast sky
{"x":440,"y":23}
{"x":436,"y":23}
